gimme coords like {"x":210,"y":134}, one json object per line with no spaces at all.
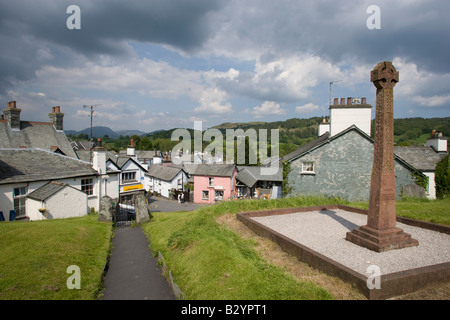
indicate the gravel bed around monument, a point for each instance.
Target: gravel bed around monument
{"x":324,"y":232}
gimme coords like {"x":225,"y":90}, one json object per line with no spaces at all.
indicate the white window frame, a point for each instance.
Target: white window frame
{"x":210,"y":181}
{"x":21,"y":198}
{"x":87,"y":186}
{"x":308,"y":167}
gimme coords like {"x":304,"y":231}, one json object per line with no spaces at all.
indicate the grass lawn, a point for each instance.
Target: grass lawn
{"x":209,"y":261}
{"x":435,"y":211}
{"x":34,"y":257}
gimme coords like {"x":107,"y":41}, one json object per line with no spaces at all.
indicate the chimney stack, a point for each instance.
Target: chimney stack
{"x":349,"y":101}
{"x":12,"y":115}
{"x":56,"y":118}
{"x":99,"y":157}
{"x":131,"y":149}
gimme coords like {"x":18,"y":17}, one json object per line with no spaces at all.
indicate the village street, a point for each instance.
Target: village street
{"x":160,"y":204}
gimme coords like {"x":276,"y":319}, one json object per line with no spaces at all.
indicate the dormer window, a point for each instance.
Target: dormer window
{"x":128,"y":176}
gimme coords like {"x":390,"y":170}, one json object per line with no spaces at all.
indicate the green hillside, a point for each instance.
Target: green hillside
{"x":293,"y":133}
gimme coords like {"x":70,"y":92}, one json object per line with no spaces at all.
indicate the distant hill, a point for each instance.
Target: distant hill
{"x":100,"y":131}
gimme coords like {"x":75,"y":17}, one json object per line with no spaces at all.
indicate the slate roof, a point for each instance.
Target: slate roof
{"x":26,"y":165}
{"x":249,"y":175}
{"x":422,"y":158}
{"x":158,"y":171}
{"x":416,"y":158}
{"x":309,"y":146}
{"x":85,"y":155}
{"x":211,"y":170}
{"x":47,"y":190}
{"x":82,"y":145}
{"x":142,"y":154}
{"x":33,"y":134}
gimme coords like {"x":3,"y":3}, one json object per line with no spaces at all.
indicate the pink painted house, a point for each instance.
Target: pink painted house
{"x":213,"y":182}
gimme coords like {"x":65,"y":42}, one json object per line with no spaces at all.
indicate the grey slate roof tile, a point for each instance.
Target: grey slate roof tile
{"x":32,"y":134}
{"x":47,"y":190}
{"x":163,"y":173}
{"x":26,"y":165}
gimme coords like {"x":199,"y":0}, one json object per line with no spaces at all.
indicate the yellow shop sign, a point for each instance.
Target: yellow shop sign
{"x":134,"y":187}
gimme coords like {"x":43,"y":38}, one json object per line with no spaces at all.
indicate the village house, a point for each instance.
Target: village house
{"x":40,"y":174}
{"x":339,"y":161}
{"x":38,"y":165}
{"x":424,"y":158}
{"x":250,"y":183}
{"x":164,"y":180}
{"x":213,"y":182}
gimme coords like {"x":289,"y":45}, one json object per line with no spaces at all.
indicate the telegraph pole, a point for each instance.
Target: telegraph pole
{"x":92,"y":116}
{"x":91,"y":113}
{"x":331,"y":83}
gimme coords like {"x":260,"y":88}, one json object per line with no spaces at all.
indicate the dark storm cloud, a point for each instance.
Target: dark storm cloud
{"x":29,"y":26}
{"x":415,"y":30}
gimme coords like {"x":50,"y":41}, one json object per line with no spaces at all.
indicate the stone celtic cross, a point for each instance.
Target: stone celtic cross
{"x":380,"y":233}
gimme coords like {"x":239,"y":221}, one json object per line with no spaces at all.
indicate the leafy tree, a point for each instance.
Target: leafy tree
{"x":442,"y":178}
{"x":286,"y":186}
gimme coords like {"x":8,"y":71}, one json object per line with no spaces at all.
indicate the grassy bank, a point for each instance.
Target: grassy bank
{"x":209,"y":261}
{"x":34,"y":257}
{"x":435,"y":211}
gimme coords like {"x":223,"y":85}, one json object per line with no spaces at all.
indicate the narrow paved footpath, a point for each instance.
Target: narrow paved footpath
{"x":133,"y":272}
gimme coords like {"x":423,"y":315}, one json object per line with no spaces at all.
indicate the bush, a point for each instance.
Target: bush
{"x":442,"y":178}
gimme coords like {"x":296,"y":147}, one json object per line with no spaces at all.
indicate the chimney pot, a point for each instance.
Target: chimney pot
{"x":12,"y":104}
{"x":363,"y":100}
{"x":349,"y":101}
{"x":57,"y":109}
{"x":342,"y":101}
{"x":336,"y":101}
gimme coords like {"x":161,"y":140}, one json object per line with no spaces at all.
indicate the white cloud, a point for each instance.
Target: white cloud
{"x":212,"y":101}
{"x":433,"y":101}
{"x":307,"y":108}
{"x":268,"y":108}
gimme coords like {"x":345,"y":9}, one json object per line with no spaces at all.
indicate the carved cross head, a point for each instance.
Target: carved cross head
{"x":384,"y":75}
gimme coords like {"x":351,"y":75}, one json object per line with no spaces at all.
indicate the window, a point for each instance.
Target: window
{"x":308,"y":167}
{"x":127,"y":199}
{"x":218,"y":195}
{"x":128,"y":176}
{"x":87,"y":186}
{"x":19,"y":200}
{"x":211,"y":182}
{"x":205,"y":195}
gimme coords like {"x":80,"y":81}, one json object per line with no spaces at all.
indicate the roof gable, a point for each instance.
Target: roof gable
{"x":322,"y":140}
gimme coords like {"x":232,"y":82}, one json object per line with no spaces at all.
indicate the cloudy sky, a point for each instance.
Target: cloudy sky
{"x":161,"y":64}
